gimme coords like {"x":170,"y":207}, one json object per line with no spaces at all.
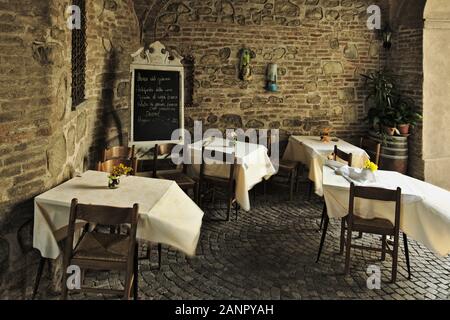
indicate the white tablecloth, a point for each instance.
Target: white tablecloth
{"x":166,"y":214}
{"x":425,"y":214}
{"x":313,"y":153}
{"x":254,"y":165}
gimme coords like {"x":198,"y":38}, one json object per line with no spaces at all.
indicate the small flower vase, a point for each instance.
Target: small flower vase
{"x":232,"y":143}
{"x":113,"y":182}
{"x":368,"y":175}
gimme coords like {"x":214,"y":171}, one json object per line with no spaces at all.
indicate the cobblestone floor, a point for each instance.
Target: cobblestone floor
{"x":269,"y":253}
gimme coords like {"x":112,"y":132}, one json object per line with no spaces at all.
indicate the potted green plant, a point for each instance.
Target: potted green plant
{"x":408,"y":117}
{"x":382,"y":92}
{"x":391,"y":113}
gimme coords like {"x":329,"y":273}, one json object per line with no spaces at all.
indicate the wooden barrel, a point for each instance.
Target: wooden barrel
{"x":394,"y":152}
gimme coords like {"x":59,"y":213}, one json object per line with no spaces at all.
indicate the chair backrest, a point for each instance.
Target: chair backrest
{"x":101,"y":215}
{"x":107,"y":166}
{"x":162,"y":150}
{"x":377,"y":194}
{"x":124,"y":153}
{"x":342,"y":155}
{"x":217,"y":157}
{"x":372,"y":147}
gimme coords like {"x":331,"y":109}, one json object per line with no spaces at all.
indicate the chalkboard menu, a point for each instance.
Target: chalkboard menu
{"x":157,"y":104}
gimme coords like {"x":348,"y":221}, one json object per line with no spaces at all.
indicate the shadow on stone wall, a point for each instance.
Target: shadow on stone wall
{"x":111,"y":131}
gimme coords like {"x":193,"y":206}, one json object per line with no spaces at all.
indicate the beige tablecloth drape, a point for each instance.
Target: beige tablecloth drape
{"x":254,"y":165}
{"x":425,"y":214}
{"x":166,"y":214}
{"x":313,"y":153}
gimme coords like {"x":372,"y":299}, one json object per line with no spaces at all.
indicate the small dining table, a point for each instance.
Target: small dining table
{"x":166,"y":214}
{"x":312,"y":152}
{"x":425,"y":208}
{"x":253,"y":164}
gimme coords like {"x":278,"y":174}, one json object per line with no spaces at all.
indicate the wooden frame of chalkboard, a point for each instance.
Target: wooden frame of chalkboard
{"x":157,"y":96}
{"x":153,"y":90}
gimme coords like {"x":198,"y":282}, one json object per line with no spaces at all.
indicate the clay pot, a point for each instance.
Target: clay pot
{"x":404,"y":129}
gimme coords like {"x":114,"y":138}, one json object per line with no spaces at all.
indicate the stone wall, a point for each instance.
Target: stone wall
{"x":43,"y":141}
{"x":321,"y":48}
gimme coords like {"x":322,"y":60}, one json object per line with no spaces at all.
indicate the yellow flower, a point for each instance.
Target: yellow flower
{"x":121,"y":170}
{"x":370,"y":165}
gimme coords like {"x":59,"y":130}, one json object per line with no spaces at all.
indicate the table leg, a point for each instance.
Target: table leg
{"x":38,"y":277}
{"x":322,"y":240}
{"x":408,"y":265}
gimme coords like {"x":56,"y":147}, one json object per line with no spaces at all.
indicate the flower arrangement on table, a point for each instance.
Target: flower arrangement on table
{"x":369,"y":165}
{"x":116,"y":173}
{"x":325,"y":135}
{"x":233,"y":137}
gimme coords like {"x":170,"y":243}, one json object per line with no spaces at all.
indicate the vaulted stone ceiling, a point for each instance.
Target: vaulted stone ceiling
{"x":407,"y":13}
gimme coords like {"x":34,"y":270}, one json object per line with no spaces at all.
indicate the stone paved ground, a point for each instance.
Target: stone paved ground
{"x":269,"y":253}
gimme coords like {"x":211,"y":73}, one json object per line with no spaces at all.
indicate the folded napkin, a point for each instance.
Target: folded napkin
{"x":359,"y":177}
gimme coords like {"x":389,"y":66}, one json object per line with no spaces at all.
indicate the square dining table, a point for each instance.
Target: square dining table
{"x":166,"y":214}
{"x":312,"y":152}
{"x":254,"y":164}
{"x":425,"y":208}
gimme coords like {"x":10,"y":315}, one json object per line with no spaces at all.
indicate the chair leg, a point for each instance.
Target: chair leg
{"x":322,"y":240}
{"x":195,"y":194}
{"x":265,"y":189}
{"x":360,"y":235}
{"x":149,"y":251}
{"x":159,"y":255}
{"x":297,"y":178}
{"x":38,"y":277}
{"x":324,"y":213}
{"x":292,"y":186}
{"x":342,"y":237}
{"x":135,"y":275}
{"x":236,"y":208}
{"x":310,"y":189}
{"x":383,"y":248}
{"x":348,"y":250}
{"x":395,"y":259}
{"x":64,"y":289}
{"x":229,"y":205}
{"x":408,"y":265}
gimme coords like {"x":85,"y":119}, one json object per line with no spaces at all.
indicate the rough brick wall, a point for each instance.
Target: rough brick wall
{"x":406,"y":59}
{"x":42,"y":140}
{"x":321,"y":48}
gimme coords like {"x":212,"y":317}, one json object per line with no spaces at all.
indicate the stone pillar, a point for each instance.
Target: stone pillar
{"x":436,"y":149}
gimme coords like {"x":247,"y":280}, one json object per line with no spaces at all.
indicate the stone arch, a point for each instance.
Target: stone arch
{"x":436,"y":92}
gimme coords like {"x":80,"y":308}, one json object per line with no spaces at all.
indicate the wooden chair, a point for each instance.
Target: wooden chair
{"x":352,"y":223}
{"x":101,"y":251}
{"x":210,"y":184}
{"x":347,"y":157}
{"x":343,"y":156}
{"x":123,"y":153}
{"x":286,"y":168}
{"x":372,"y":147}
{"x":185,"y":182}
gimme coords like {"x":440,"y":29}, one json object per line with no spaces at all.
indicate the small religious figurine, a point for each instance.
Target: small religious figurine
{"x":245,"y":68}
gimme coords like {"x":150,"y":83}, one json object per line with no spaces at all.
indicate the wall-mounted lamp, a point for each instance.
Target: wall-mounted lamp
{"x":386,"y":35}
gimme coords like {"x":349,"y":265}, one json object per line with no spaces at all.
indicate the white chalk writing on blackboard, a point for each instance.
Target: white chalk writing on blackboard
{"x":157,"y":104}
